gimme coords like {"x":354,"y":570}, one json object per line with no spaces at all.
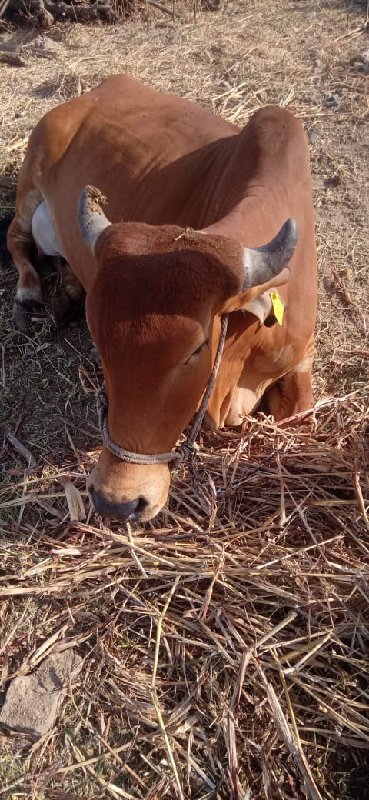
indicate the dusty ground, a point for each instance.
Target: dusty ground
{"x":70,"y":580}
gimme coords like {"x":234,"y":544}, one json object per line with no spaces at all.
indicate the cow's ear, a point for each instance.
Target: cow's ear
{"x":260,"y":307}
{"x":248,"y":298}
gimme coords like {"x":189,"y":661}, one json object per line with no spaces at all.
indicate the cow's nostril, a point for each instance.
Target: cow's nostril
{"x":122,"y":511}
{"x":142,"y":504}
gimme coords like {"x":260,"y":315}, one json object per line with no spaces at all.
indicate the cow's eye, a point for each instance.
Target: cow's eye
{"x":197,"y":351}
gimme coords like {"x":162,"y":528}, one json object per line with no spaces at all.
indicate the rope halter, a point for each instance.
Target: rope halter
{"x":180,"y":453}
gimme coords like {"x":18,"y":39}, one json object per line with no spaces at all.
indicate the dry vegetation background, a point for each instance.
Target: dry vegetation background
{"x":226,"y":645}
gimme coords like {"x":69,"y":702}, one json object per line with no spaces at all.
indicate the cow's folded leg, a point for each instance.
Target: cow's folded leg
{"x":70,"y":306}
{"x":293,"y":393}
{"x":28,"y":296}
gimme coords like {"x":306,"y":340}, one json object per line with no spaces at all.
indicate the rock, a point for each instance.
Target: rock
{"x":361,"y":62}
{"x":314,"y":135}
{"x":332,"y":100}
{"x":43,"y":46}
{"x":332,"y":180}
{"x":210,"y":5}
{"x":33,"y":701}
{"x":44,"y":43}
{"x":13,"y":59}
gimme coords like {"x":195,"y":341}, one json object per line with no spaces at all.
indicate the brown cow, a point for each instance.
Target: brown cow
{"x":193,"y":200}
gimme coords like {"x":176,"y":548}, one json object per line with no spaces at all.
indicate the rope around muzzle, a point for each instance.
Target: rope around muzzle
{"x":185,"y":450}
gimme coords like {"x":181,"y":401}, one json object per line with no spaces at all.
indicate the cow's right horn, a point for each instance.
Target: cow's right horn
{"x":91,"y":218}
{"x":262,"y":264}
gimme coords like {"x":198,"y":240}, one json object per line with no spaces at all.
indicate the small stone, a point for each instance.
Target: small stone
{"x":314,"y":135}
{"x":361,"y":62}
{"x":43,"y":46}
{"x":33,"y":701}
{"x":332,"y":180}
{"x":332,"y":100}
{"x":210,"y":5}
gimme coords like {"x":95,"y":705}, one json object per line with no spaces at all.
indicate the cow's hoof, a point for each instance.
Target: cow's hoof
{"x":22,"y":314}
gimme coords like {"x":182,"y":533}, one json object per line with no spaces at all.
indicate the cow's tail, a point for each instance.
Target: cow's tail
{"x":5,"y":257}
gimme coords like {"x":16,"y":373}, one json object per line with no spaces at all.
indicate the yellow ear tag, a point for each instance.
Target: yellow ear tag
{"x":278,"y":307}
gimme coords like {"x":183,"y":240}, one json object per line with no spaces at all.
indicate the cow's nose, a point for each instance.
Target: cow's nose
{"x":122,"y":511}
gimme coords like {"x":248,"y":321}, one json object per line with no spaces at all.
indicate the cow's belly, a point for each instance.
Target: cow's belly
{"x":44,"y":233}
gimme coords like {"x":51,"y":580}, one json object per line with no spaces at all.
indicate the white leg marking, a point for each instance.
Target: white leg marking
{"x":33,"y":293}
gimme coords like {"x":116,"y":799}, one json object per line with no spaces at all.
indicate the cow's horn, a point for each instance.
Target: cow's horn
{"x":91,"y":218}
{"x":262,"y":264}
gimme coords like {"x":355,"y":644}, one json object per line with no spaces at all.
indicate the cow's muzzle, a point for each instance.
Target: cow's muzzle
{"x":127,"y":491}
{"x":121,"y":511}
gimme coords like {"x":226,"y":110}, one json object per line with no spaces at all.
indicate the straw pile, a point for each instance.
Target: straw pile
{"x":225,"y":646}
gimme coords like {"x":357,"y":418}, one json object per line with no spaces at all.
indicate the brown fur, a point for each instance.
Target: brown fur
{"x":155,"y":290}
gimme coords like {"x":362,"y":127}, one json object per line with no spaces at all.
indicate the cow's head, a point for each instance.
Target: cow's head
{"x":154,"y":313}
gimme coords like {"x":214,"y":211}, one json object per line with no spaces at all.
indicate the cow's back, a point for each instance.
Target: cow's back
{"x":150,"y":154}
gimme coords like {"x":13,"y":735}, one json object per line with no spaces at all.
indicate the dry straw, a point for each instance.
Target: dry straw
{"x":225,"y":646}
{"x":223,"y":650}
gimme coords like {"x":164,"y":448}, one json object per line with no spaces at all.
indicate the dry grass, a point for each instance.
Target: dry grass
{"x":226,"y":645}
{"x":233,"y":631}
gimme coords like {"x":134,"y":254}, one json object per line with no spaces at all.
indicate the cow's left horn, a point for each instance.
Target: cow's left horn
{"x":91,"y":218}
{"x":262,"y":264}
